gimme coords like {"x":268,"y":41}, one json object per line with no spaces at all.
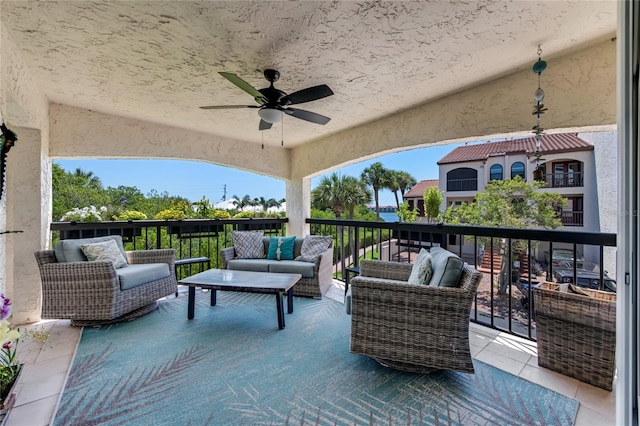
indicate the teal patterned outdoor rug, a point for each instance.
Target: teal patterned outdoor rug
{"x":231,"y":365}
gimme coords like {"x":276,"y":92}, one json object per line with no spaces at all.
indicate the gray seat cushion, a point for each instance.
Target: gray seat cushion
{"x":70,"y":250}
{"x":292,"y":267}
{"x":134,"y":275}
{"x":256,"y":265}
{"x":447,"y":268}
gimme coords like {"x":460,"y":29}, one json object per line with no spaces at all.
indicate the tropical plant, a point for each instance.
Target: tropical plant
{"x":242,"y":203}
{"x":406,"y":214}
{"x":405,"y":181}
{"x":432,"y":201}
{"x":339,"y":194}
{"x":9,"y":366}
{"x":511,"y":203}
{"x":376,"y":176}
{"x":392,"y":184}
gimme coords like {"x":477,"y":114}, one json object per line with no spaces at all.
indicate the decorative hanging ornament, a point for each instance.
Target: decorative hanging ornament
{"x":538,"y":110}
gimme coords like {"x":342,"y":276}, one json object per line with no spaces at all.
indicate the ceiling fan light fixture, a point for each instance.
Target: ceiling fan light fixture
{"x":270,"y":115}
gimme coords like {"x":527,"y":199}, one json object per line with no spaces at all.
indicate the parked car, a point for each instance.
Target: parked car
{"x":585,"y":278}
{"x":563,"y":258}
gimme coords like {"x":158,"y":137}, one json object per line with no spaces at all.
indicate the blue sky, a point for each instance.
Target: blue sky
{"x":193,"y":180}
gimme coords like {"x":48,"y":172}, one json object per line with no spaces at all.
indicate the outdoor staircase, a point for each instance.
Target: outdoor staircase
{"x":485,"y":266}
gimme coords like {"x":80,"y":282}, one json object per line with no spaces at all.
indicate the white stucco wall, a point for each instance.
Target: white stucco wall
{"x":581,"y":87}
{"x":606,"y":187}
{"x":580,"y":92}
{"x":23,"y":103}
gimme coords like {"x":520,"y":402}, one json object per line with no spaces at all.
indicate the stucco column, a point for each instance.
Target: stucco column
{"x":298,"y":197}
{"x":28,"y":199}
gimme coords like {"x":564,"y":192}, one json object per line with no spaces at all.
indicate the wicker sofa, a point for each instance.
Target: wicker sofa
{"x":316,"y":279}
{"x":411,"y":327}
{"x":576,"y":333}
{"x":94,"y":292}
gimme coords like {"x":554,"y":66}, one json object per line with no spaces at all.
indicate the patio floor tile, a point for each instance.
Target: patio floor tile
{"x":43,"y":379}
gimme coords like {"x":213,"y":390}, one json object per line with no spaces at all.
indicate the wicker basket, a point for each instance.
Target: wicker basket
{"x":577,"y":334}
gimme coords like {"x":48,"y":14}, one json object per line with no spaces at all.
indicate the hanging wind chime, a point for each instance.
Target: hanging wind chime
{"x":538,"y":110}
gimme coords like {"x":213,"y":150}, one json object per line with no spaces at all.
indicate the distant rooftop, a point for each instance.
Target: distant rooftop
{"x":564,"y":142}
{"x":418,"y":189}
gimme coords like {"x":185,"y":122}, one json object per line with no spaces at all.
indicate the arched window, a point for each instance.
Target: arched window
{"x":517,"y":169}
{"x":495,"y":172}
{"x":462,"y":179}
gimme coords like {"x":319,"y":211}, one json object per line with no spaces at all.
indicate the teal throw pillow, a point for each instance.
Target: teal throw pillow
{"x":281,"y":248}
{"x":422,"y":269}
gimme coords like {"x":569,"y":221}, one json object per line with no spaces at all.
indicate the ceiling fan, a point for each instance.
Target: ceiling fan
{"x":273,"y":103}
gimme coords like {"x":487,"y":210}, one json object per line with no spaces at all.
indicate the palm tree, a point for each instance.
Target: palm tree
{"x":376,"y":176}
{"x":243,"y":202}
{"x":356,"y":193}
{"x":87,"y":179}
{"x":392,"y":184}
{"x":328,"y":194}
{"x":405,"y":182}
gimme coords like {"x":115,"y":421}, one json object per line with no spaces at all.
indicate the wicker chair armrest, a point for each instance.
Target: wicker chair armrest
{"x":226,"y":254}
{"x":83,"y":275}
{"x":385,"y":269}
{"x":152,"y":256}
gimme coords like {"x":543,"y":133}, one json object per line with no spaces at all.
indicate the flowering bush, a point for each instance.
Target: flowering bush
{"x":171,"y":214}
{"x":85,"y":214}
{"x":9,"y":366}
{"x":131,"y":215}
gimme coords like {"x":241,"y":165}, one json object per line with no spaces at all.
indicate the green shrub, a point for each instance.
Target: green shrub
{"x":131,"y":215}
{"x":171,"y":214}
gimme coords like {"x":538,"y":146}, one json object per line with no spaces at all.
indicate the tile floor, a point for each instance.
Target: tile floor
{"x":46,"y":366}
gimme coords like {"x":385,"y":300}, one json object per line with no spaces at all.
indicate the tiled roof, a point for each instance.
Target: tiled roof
{"x":564,"y":142}
{"x":418,"y":189}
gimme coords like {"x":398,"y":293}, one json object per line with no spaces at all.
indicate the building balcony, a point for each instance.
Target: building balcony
{"x":503,"y":338}
{"x":572,"y":218}
{"x":563,"y":180}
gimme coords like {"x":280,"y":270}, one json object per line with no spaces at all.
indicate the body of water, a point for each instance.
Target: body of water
{"x":389,"y":217}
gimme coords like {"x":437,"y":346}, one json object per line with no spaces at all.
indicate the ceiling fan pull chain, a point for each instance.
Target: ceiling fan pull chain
{"x":282,"y":133}
{"x":262,"y":133}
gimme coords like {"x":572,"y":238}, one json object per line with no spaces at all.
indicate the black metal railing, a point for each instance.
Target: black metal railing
{"x":513,"y":261}
{"x":190,"y":237}
{"x":572,"y":218}
{"x":563,"y":180}
{"x":469,"y":184}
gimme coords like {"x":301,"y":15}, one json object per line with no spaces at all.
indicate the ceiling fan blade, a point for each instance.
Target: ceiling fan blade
{"x":307,"y":95}
{"x":264,"y":125}
{"x":228,"y":106}
{"x":307,"y":115}
{"x":259,"y":97}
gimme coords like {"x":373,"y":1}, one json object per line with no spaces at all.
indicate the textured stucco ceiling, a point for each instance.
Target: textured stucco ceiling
{"x":159,"y":61}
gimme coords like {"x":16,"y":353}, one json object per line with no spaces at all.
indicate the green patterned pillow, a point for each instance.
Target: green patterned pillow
{"x":422,"y":268}
{"x":281,"y":248}
{"x":106,"y":250}
{"x":248,"y":245}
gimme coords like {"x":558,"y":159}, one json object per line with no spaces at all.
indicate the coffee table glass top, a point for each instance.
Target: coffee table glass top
{"x":245,"y":279}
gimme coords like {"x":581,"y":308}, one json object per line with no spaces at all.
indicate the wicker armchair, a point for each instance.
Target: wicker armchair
{"x":415,"y":328}
{"x":89,"y":293}
{"x":577,"y":334}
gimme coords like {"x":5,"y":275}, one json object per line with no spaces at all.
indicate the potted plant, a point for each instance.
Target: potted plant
{"x":9,"y":366}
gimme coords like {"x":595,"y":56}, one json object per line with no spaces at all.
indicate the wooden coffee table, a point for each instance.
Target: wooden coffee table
{"x":243,"y":281}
